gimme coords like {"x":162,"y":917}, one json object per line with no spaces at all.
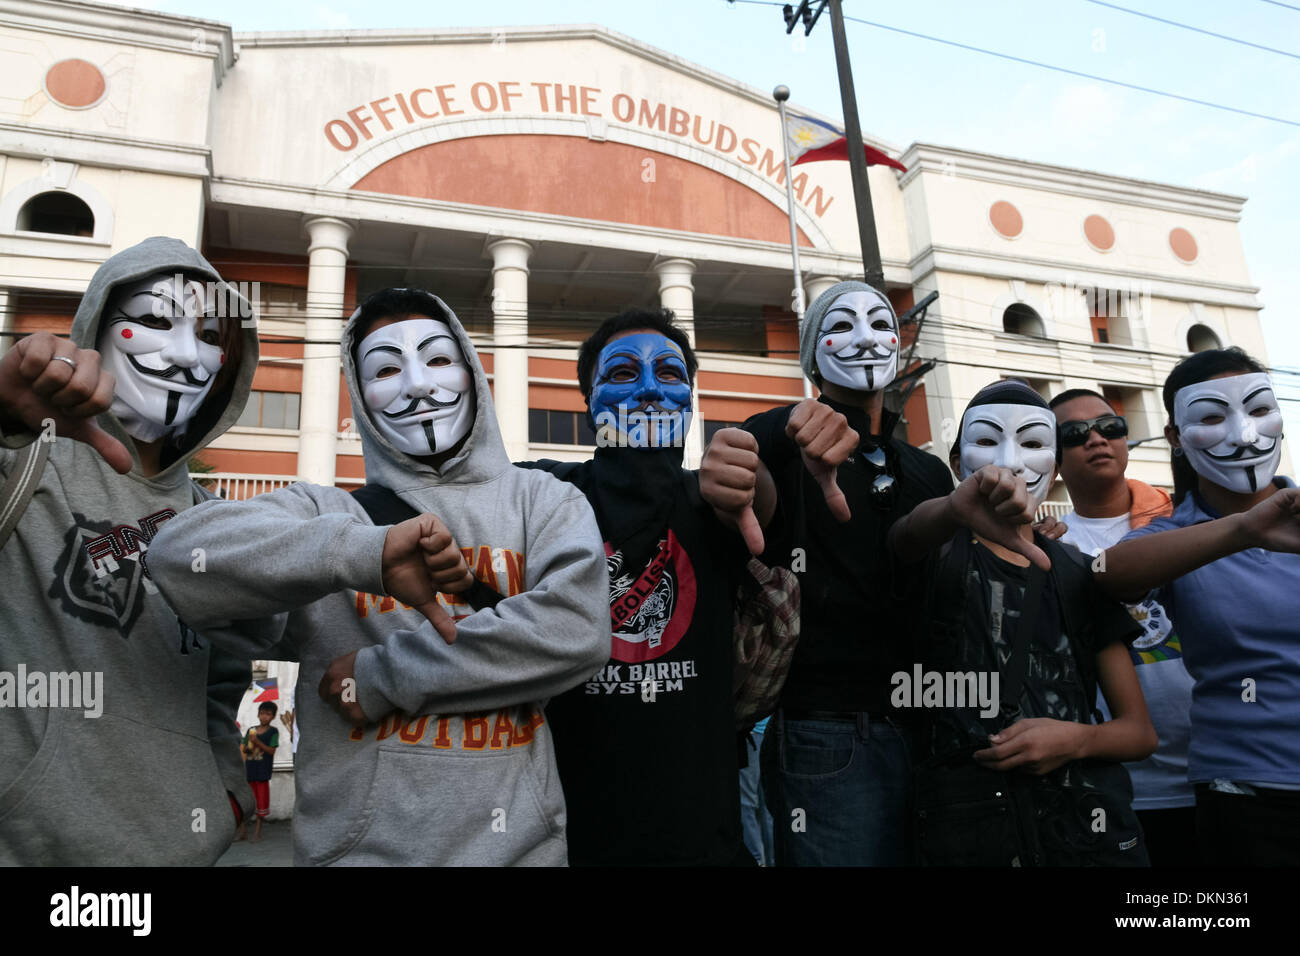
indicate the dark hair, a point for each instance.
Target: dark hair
{"x":387,"y":303}
{"x":268,"y":705}
{"x":657,"y":320}
{"x":1070,"y":394}
{"x":1197,"y":368}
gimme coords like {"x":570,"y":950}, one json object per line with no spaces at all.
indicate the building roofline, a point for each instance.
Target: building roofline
{"x":138,"y":27}
{"x":525,"y":34}
{"x":934,"y":157}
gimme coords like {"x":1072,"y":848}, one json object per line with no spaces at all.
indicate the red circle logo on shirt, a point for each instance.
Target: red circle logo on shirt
{"x":650,"y":608}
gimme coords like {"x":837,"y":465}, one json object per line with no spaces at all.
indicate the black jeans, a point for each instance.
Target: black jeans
{"x":1240,"y":830}
{"x":1171,"y":836}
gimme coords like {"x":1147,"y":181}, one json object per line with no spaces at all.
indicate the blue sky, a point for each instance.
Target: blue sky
{"x":911,"y":89}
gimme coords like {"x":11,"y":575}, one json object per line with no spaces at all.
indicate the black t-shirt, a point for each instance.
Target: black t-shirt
{"x":1054,"y":684}
{"x":856,"y":620}
{"x":647,"y":746}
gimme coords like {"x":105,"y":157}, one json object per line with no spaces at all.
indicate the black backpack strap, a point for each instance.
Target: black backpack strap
{"x":382,"y":505}
{"x":384,"y":508}
{"x":1072,"y":573}
{"x":1017,"y":665}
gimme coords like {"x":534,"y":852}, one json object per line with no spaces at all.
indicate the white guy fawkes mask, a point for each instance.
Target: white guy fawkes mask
{"x":857,"y":345}
{"x":416,"y":385}
{"x":1231,"y":430}
{"x":161,"y":343}
{"x":1019,"y":437}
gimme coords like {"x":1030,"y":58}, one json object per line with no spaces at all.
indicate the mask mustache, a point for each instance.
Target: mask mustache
{"x":170,"y":372}
{"x":413,"y":408}
{"x":855,"y":355}
{"x":1245,"y":451}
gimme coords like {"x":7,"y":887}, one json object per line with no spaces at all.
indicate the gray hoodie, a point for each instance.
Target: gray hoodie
{"x":464,"y":771}
{"x":145,"y":781}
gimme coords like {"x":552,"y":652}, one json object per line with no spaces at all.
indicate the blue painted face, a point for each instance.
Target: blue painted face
{"x":641,"y":394}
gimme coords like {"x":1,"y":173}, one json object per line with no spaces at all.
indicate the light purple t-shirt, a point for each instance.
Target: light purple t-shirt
{"x":1239,"y":619}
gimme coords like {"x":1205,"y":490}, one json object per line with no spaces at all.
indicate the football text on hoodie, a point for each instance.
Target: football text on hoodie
{"x":459,"y":768}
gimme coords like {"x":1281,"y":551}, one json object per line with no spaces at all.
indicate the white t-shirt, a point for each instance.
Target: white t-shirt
{"x":1159,"y":781}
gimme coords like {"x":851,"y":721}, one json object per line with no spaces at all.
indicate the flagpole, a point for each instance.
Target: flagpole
{"x":781,"y":94}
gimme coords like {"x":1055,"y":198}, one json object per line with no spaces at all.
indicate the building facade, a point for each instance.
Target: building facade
{"x":541,"y":179}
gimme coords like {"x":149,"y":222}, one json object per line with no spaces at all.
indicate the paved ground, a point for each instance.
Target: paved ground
{"x":274,"y":849}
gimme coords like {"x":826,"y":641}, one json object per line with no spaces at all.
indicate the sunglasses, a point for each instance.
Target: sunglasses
{"x":884,"y":487}
{"x":1075,"y":433}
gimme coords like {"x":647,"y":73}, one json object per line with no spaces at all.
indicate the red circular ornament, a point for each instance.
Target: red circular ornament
{"x":829,"y":343}
{"x":126,"y":333}
{"x":893,"y":341}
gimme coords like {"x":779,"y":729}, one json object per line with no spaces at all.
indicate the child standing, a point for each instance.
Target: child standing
{"x":259,"y":754}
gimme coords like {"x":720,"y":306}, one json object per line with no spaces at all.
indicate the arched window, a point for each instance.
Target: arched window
{"x":1202,"y":337}
{"x":1020,"y":319}
{"x":60,"y":213}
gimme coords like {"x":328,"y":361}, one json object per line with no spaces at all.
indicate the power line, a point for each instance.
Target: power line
{"x":1288,"y":6}
{"x":1062,"y":69}
{"x":1184,"y":26}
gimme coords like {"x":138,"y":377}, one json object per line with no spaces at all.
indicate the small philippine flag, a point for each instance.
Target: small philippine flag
{"x":269,"y":689}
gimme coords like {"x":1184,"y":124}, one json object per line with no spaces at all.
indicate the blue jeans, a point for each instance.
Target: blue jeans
{"x":756,"y":822}
{"x":838,"y":792}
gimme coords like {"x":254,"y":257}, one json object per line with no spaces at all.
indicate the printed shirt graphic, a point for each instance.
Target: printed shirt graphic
{"x":100,"y":575}
{"x":651,"y":610}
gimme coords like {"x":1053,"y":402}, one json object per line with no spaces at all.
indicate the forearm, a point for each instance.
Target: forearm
{"x":925,"y":528}
{"x":1122,"y":739}
{"x":1131,"y":569}
{"x":529,"y":647}
{"x":416,"y":672}
{"x":224,"y":562}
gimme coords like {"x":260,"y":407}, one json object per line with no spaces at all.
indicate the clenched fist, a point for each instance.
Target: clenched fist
{"x":420,"y":559}
{"x":825,"y":441}
{"x":729,"y":481}
{"x":45,"y":377}
{"x":994,"y":503}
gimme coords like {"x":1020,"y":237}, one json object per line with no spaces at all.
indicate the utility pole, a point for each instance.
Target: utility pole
{"x":872,"y":269}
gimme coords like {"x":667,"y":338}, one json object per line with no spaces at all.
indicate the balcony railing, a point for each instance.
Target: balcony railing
{"x":237,"y":487}
{"x":1056,"y":509}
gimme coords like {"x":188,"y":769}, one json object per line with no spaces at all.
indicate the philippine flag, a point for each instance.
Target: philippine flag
{"x":812,"y":141}
{"x":269,"y":689}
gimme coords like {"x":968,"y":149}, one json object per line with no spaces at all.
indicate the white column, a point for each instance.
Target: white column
{"x":7,"y":303}
{"x":677,"y":292}
{"x":319,"y":424}
{"x":816,"y":285}
{"x":510,"y":334}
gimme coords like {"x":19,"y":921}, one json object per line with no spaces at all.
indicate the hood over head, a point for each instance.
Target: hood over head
{"x":225,"y":402}
{"x":482,"y":456}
